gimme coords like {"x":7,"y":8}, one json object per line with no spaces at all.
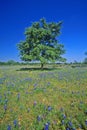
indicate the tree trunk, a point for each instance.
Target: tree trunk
{"x":42,"y":66}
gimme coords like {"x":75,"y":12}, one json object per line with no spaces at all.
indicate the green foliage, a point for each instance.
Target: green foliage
{"x":41,"y":43}
{"x":9,"y":62}
{"x":85,"y":60}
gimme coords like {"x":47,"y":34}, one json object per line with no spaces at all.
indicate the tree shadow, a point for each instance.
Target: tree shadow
{"x":36,"y":69}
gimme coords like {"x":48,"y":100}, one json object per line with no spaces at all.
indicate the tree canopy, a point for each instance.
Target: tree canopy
{"x":41,"y":43}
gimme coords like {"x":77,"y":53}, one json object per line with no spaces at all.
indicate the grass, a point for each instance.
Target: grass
{"x":52,"y":99}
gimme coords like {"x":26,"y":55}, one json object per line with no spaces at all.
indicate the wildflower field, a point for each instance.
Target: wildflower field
{"x":49,"y":99}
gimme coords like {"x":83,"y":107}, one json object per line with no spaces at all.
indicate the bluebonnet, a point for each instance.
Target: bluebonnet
{"x":35,"y":103}
{"x":48,"y":83}
{"x":35,"y":85}
{"x":39,"y":118}
{"x":46,"y":126}
{"x":67,"y":128}
{"x":49,"y":108}
{"x":86,"y":121}
{"x":15,"y":123}
{"x":64,"y":116}
{"x":5,"y":107}
{"x":28,"y":79}
{"x":9,"y":127}
{"x":71,"y":125}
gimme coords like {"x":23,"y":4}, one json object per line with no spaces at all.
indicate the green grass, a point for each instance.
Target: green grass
{"x":30,"y":98}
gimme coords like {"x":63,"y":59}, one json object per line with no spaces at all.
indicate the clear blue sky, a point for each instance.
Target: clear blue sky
{"x":16,"y":15}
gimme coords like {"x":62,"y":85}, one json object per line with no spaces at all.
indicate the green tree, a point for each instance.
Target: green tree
{"x":85,"y":60}
{"x":41,"y":43}
{"x":11,"y":62}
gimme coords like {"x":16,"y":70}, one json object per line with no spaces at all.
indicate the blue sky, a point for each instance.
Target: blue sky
{"x":16,"y":15}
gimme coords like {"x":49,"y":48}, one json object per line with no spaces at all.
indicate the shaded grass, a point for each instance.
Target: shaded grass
{"x":36,"y":69}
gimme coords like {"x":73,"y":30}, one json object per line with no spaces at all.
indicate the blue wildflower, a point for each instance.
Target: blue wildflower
{"x":49,"y":108}
{"x":70,"y":124}
{"x":64,"y":116}
{"x":35,"y":103}
{"x":35,"y":85}
{"x":46,"y":126}
{"x":67,"y":128}
{"x":86,"y":121}
{"x":5,"y":107}
{"x":39,"y":118}
{"x":15,"y":123}
{"x":48,"y":83}
{"x":9,"y":127}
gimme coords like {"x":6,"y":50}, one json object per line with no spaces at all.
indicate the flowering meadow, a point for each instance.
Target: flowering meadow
{"x":49,"y":99}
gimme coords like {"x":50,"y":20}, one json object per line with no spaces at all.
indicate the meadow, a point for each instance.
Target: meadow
{"x":49,"y":99}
